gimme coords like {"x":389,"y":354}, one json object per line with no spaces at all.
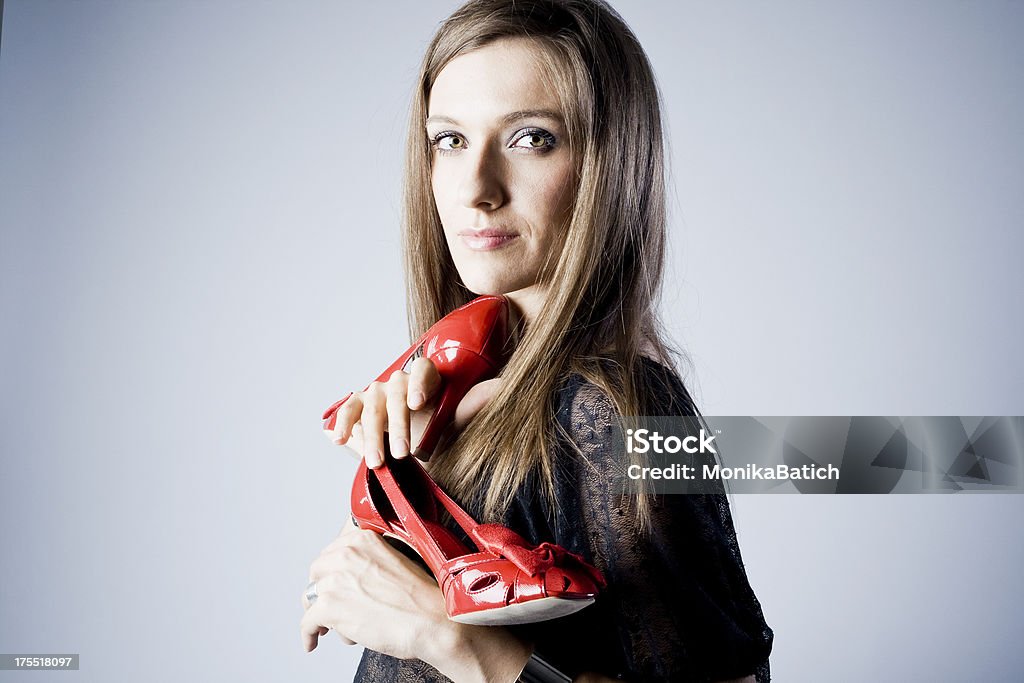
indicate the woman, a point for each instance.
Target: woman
{"x":535,"y":170}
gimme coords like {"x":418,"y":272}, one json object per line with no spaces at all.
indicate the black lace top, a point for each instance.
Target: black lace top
{"x":678,"y":606}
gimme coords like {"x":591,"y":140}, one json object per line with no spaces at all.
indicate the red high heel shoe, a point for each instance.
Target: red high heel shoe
{"x":467,"y":346}
{"x":505,"y":581}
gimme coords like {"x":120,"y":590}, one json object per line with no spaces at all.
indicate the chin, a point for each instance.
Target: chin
{"x":484,"y":288}
{"x":483,"y":281}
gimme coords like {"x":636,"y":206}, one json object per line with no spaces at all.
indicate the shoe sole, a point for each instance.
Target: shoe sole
{"x":530,"y":612}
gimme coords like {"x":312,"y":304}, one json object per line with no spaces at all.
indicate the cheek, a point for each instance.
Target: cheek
{"x":555,"y":195}
{"x":566,"y":194}
{"x":441,"y":186}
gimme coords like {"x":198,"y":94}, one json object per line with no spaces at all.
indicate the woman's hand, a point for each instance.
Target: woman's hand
{"x":365,"y":590}
{"x":402,"y":407}
{"x":371,"y":594}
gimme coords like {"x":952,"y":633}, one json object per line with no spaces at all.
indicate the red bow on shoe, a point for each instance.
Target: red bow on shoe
{"x":506,"y":543}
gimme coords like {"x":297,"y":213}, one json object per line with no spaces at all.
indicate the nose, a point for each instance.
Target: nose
{"x":483,"y":182}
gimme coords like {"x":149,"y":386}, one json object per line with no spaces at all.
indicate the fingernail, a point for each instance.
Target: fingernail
{"x":400,"y":448}
{"x":416,"y":399}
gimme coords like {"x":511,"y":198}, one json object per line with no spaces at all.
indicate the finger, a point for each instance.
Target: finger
{"x":316,"y":622}
{"x":398,"y":414}
{"x":424,"y":381}
{"x":347,"y":416}
{"x":306,"y":604}
{"x":374,"y":421}
{"x":311,"y":626}
{"x":323,"y":580}
{"x":355,"y":441}
{"x":474,"y":401}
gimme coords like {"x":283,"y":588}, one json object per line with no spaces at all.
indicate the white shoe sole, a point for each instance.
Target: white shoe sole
{"x":524,"y":613}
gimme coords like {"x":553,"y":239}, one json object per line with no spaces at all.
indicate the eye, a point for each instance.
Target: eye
{"x":535,"y":139}
{"x":448,"y":142}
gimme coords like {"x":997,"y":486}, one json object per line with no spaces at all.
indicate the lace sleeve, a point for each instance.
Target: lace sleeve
{"x":678,"y":604}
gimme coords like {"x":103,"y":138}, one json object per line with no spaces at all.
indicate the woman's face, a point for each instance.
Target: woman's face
{"x":502,"y":172}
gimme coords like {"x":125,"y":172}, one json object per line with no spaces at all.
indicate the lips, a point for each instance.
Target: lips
{"x":487,"y":238}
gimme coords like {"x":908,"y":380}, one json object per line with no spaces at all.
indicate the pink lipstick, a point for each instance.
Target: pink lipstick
{"x":486,"y":239}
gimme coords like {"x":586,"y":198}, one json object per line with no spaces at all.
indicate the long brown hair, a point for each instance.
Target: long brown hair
{"x":600,"y":313}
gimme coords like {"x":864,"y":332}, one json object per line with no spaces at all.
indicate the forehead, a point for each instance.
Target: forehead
{"x":489,"y":82}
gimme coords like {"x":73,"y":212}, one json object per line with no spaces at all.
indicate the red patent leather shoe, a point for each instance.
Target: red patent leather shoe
{"x":467,"y":346}
{"x":505,"y":581}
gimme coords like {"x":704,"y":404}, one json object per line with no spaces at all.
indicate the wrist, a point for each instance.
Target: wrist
{"x":488,"y":654}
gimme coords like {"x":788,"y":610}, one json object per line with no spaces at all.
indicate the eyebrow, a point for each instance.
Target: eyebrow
{"x":507,"y":118}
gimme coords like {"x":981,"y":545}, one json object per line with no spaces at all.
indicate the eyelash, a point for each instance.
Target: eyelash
{"x":435,"y":142}
{"x":540,"y":132}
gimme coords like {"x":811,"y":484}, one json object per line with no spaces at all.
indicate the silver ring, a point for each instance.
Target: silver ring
{"x":311,"y":594}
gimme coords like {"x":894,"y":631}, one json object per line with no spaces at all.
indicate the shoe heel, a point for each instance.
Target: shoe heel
{"x":470,"y":335}
{"x":460,"y":369}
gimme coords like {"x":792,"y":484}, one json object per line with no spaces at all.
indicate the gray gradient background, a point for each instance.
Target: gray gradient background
{"x":199,"y":253}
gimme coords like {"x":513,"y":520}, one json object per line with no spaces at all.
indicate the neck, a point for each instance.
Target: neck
{"x":526,"y":304}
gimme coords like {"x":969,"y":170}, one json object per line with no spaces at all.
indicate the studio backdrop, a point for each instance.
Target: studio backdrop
{"x":199,"y":252}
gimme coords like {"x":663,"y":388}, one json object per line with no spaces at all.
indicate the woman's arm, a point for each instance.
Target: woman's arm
{"x":371,"y":594}
{"x":374,"y":596}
